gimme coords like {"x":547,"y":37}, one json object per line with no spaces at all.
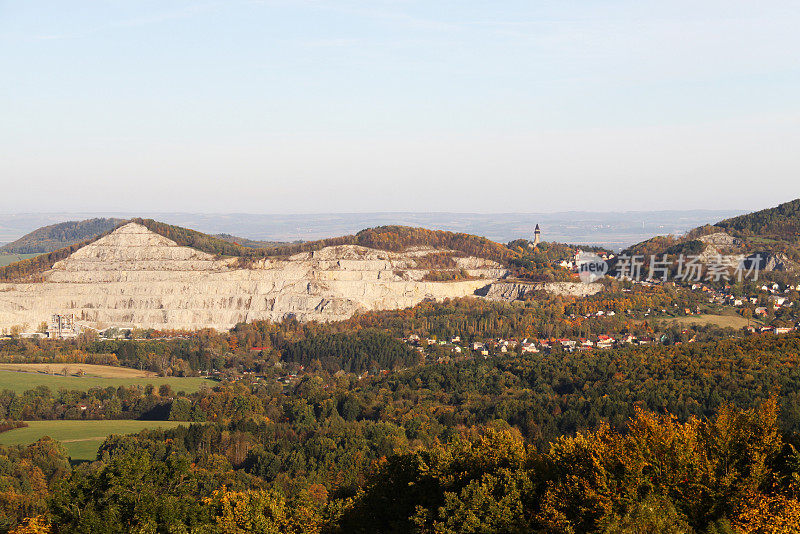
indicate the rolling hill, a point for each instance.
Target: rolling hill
{"x":772,"y":234}
{"x":56,"y":236}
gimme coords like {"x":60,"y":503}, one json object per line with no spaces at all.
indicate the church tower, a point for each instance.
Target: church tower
{"x":537,"y":236}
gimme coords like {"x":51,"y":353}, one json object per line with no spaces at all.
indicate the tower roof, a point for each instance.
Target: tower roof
{"x":537,"y":227}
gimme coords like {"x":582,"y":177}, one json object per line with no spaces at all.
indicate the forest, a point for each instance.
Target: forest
{"x":693,"y":437}
{"x":734,"y":472}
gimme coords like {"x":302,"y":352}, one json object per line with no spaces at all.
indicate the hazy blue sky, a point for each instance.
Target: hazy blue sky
{"x":340,"y":106}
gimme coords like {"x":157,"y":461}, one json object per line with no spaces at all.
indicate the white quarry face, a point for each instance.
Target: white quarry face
{"x":136,"y":278}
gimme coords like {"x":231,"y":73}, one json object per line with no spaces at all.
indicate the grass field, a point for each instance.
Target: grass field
{"x":8,"y":259}
{"x":77,"y":369}
{"x":80,"y":438}
{"x":19,"y":381}
{"x":732,"y":321}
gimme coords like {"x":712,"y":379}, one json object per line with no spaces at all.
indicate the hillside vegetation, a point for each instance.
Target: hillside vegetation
{"x":29,"y":269}
{"x":390,"y":238}
{"x":770,"y":233}
{"x":57,"y":236}
{"x":250,"y":243}
{"x":781,"y":222}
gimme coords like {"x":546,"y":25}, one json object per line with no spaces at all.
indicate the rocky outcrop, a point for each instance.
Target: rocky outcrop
{"x":719,"y":239}
{"x":136,"y":278}
{"x":772,"y":262}
{"x":510,"y":291}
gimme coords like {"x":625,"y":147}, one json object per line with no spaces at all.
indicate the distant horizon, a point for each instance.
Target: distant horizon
{"x":374,"y":212}
{"x":612,"y":230}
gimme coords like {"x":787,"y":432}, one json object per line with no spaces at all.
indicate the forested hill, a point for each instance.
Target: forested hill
{"x":781,"y":222}
{"x":769,"y":231}
{"x":390,"y":238}
{"x":57,"y":236}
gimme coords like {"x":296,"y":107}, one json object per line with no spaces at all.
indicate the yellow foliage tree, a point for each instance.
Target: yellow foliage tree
{"x":32,"y":525}
{"x":769,"y":514}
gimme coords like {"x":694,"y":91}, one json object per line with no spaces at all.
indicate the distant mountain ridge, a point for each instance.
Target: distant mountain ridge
{"x":614,"y":230}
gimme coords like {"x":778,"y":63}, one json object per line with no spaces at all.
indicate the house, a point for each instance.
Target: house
{"x":761,"y":310}
{"x":529,"y":347}
{"x":568,"y":343}
{"x":477,"y":346}
{"x":586,"y":343}
{"x":777,"y":300}
{"x":782,"y":329}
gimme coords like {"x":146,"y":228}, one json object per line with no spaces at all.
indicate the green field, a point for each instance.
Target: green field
{"x":80,"y":438}
{"x":22,"y":381}
{"x":732,"y":321}
{"x":8,"y":259}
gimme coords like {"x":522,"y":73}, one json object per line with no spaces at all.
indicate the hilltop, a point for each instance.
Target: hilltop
{"x":773,"y":234}
{"x":61,"y":235}
{"x":778,"y":223}
{"x":56,"y":236}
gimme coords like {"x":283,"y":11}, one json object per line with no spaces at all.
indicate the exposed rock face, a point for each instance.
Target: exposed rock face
{"x":720,"y":239}
{"x":135,"y":277}
{"x":509,"y":291}
{"x":772,"y":262}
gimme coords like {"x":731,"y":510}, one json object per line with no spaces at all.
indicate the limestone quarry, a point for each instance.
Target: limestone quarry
{"x":134,"y":277}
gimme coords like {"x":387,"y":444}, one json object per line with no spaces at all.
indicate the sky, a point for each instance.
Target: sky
{"x":398,"y":105}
